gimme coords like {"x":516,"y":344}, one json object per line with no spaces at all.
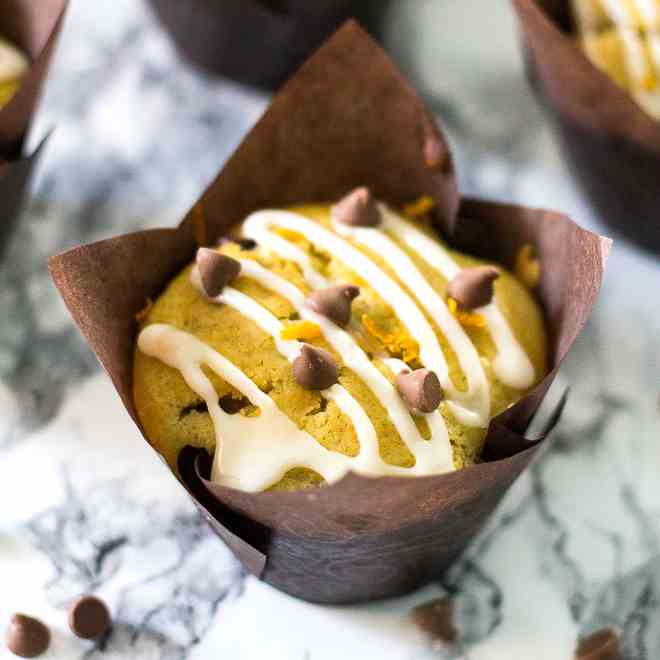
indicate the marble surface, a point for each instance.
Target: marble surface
{"x":86,"y":506}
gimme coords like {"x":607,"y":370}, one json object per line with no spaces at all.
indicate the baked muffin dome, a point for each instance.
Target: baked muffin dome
{"x":334,"y":345}
{"x":622,"y":38}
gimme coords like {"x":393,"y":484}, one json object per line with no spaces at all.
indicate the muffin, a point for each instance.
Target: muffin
{"x":622,"y":38}
{"x":329,"y":338}
{"x":14,"y":66}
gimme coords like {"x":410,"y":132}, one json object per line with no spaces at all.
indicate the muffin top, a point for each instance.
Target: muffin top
{"x":622,"y":38}
{"x":329,"y":338}
{"x":13,"y":66}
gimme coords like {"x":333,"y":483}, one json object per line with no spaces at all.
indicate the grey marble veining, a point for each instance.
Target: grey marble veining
{"x":86,"y":506}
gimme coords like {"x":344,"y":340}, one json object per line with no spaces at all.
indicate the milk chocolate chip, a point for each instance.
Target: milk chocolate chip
{"x":216,"y":270}
{"x":335,"y":302}
{"x":473,"y":287}
{"x":357,"y":209}
{"x":27,"y":637}
{"x":315,"y":369}
{"x":604,"y":644}
{"x":436,"y":619}
{"x":420,"y":389}
{"x":89,"y":618}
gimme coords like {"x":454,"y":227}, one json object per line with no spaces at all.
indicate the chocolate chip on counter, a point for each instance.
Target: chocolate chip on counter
{"x":436,"y":619}
{"x":357,"y":209}
{"x":604,"y":644}
{"x":89,"y":617}
{"x":216,"y":270}
{"x":315,"y":369}
{"x":334,"y":302}
{"x":420,"y":389}
{"x":473,"y":287}
{"x":27,"y":637}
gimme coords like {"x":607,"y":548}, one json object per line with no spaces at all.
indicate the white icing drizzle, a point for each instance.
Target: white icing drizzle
{"x":511,"y":365}
{"x":430,"y":455}
{"x":648,"y":10}
{"x":477,"y":396}
{"x":352,"y":355}
{"x":290,"y":349}
{"x":252,"y":453}
{"x":258,"y":225}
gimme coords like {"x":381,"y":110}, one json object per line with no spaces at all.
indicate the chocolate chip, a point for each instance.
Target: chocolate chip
{"x":27,"y":637}
{"x":315,"y":369}
{"x":89,"y":618}
{"x":243,"y":243}
{"x":420,"y":389}
{"x":216,"y":270}
{"x":335,"y":302}
{"x":357,"y":209}
{"x":436,"y":618}
{"x":604,"y":644}
{"x":473,"y":287}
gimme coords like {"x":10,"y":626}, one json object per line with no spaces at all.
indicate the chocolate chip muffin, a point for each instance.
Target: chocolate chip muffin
{"x":13,"y":66}
{"x":622,"y":38}
{"x":332,"y":338}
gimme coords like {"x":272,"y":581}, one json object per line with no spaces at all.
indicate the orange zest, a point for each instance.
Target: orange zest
{"x":420,"y":207}
{"x":528,"y":266}
{"x":398,"y":344}
{"x":466,"y":318}
{"x":301,"y":330}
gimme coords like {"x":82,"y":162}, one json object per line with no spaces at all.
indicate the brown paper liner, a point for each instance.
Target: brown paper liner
{"x":610,"y":144}
{"x":347,"y":118}
{"x":34,"y":27}
{"x":259,"y":42}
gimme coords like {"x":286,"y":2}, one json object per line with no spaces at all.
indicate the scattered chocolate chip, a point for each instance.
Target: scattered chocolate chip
{"x":315,"y":369}
{"x":243,"y":243}
{"x":89,"y":618}
{"x":335,"y":302}
{"x":357,"y":209}
{"x":216,"y":270}
{"x":436,"y":618}
{"x":604,"y":644}
{"x":27,"y":637}
{"x":473,"y":287}
{"x":420,"y":389}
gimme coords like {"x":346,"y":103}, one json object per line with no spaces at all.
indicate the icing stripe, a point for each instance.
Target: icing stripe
{"x":511,"y":365}
{"x":368,"y":460}
{"x":352,"y":355}
{"x":477,"y":397}
{"x":290,"y":349}
{"x":252,"y":453}
{"x":257,"y":226}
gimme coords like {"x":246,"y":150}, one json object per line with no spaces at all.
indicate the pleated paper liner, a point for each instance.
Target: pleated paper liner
{"x":610,"y":144}
{"x":34,"y":27}
{"x":347,"y":118}
{"x":259,"y":42}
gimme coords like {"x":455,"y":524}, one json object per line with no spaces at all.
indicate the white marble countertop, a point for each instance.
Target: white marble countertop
{"x":86,"y":507}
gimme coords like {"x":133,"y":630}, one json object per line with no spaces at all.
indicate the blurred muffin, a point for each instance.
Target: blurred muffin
{"x":334,"y":338}
{"x":622,"y":38}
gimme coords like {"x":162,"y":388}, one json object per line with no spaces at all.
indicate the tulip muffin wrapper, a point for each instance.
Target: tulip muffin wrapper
{"x":347,"y":118}
{"x":34,"y":27}
{"x":610,"y":144}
